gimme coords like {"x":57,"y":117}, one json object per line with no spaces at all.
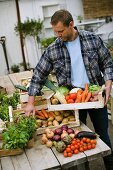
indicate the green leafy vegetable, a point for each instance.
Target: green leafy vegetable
{"x":18,"y":134}
{"x":94,"y":88}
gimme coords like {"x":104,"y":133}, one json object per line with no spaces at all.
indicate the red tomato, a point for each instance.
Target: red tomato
{"x":67,"y":97}
{"x":76,"y":151}
{"x":72,"y":95}
{"x":70,"y":101}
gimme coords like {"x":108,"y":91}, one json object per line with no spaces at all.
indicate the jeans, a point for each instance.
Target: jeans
{"x":99,"y":118}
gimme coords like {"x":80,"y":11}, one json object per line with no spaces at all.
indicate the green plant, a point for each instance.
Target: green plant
{"x":6,"y":101}
{"x":47,"y":41}
{"x":30,"y":27}
{"x":15,"y":68}
{"x":22,"y":64}
{"x":19,"y":133}
{"x":79,"y":18}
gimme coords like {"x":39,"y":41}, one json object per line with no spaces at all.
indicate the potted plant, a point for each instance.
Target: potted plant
{"x":30,"y":27}
{"x":47,"y":41}
{"x":15,"y":68}
{"x":79,"y":18}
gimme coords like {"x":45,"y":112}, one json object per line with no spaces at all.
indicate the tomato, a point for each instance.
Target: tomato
{"x":67,"y":97}
{"x":93,"y":146}
{"x":72,"y":95}
{"x":89,"y":146}
{"x":85,"y":147}
{"x":74,"y":142}
{"x":68,"y":149}
{"x":84,"y":139}
{"x":76,"y":151}
{"x":76,"y":146}
{"x":81,"y":149}
{"x":93,"y":141}
{"x":70,"y":101}
{"x":88,"y":140}
{"x":65,"y":154}
{"x":69,"y":154}
{"x":72,"y":147}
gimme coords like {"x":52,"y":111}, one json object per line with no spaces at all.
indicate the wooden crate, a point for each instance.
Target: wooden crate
{"x":77,"y":106}
{"x":75,"y":123}
{"x":6,"y":152}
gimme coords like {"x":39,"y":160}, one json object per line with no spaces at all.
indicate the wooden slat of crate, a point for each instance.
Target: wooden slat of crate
{"x":16,"y":77}
{"x":7,"y":152}
{"x":77,"y":106}
{"x":6,"y":83}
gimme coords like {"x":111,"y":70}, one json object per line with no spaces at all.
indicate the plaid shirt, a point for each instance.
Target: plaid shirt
{"x":96,"y":57}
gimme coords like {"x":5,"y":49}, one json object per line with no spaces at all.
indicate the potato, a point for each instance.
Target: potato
{"x":54,"y":101}
{"x":55,"y":123}
{"x":50,"y":123}
{"x":59,"y":118}
{"x":66,"y":114}
{"x":65,"y":120}
{"x":57,"y":113}
{"x":50,"y":118}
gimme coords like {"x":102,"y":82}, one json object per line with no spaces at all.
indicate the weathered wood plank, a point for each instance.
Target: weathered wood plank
{"x":16,"y":77}
{"x":0,"y":165}
{"x":101,"y":147}
{"x":21,"y":162}
{"x":6,"y":83}
{"x":6,"y":163}
{"x":70,"y":161}
{"x":41,"y":157}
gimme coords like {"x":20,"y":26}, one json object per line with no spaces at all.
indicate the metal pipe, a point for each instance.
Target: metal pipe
{"x":2,"y":41}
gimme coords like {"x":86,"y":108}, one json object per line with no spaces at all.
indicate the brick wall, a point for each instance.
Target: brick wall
{"x":97,"y":8}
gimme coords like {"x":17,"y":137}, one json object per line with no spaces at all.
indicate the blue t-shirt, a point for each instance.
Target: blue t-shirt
{"x":78,"y":72}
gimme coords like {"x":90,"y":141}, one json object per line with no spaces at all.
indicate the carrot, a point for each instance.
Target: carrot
{"x":78,"y":99}
{"x":40,"y":117}
{"x":84,"y":94}
{"x":79,"y":92}
{"x":86,"y":86}
{"x":40,"y":114}
{"x":44,"y":112}
{"x":88,"y":97}
{"x":52,"y":114}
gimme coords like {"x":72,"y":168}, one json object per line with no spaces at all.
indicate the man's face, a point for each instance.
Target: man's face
{"x":64,"y":32}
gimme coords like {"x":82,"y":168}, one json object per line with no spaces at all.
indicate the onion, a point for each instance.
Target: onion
{"x":58,"y":131}
{"x":64,"y":127}
{"x":56,"y":138}
{"x":70,"y":130}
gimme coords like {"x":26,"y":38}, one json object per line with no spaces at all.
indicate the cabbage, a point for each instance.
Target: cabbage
{"x":63,"y":90}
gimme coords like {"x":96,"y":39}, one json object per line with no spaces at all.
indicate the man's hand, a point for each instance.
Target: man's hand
{"x":108,"y":86}
{"x":30,"y":108}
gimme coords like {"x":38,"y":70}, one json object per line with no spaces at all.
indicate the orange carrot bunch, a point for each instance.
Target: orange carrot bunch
{"x":80,"y":96}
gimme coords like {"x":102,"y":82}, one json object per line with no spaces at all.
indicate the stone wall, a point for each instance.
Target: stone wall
{"x":97,"y":8}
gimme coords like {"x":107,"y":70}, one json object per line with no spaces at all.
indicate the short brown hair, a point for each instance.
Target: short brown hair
{"x":63,"y":16}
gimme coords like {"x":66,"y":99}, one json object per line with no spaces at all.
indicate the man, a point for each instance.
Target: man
{"x":77,"y":57}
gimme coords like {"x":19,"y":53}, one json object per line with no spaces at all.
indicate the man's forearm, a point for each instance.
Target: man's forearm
{"x":31,"y":99}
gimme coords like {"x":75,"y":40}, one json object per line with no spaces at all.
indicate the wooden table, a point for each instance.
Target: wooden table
{"x":42,"y":158}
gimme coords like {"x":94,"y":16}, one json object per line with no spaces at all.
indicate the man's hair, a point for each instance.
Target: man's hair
{"x":63,"y":16}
